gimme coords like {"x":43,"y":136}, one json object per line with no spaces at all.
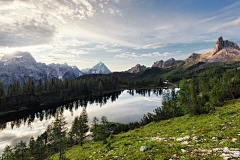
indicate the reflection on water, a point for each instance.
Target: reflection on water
{"x":122,"y":106}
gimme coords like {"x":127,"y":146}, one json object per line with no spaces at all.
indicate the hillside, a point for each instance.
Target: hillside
{"x":212,"y":136}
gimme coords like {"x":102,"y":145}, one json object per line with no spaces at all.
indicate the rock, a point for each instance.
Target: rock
{"x":226,"y":150}
{"x":167,"y":63}
{"x":143,"y":148}
{"x":221,"y":44}
{"x":175,"y":156}
{"x":226,"y":156}
{"x":185,"y":143}
{"x":180,"y":139}
{"x":183,"y":150}
{"x":234,"y":139}
{"x":193,"y":56}
{"x":195,"y":138}
{"x":235,"y":154}
{"x":186,"y":138}
{"x":137,"y":68}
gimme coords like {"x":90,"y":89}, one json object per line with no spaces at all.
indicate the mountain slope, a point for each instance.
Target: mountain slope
{"x":188,"y":137}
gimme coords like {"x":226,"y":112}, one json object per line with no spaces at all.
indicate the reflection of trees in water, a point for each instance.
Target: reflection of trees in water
{"x":27,"y":118}
{"x":145,"y":92}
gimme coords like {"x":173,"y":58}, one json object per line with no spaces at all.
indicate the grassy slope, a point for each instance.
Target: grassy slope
{"x":127,"y":145}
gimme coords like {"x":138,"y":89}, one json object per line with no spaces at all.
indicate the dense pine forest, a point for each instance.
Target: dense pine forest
{"x":201,"y":91}
{"x":29,"y":95}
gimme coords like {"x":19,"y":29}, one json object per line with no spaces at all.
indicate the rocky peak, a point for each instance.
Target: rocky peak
{"x":19,"y":57}
{"x":137,"y":68}
{"x":167,"y":63}
{"x":224,"y":44}
{"x":193,"y":56}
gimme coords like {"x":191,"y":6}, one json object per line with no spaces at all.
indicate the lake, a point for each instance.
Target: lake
{"x":122,"y":106}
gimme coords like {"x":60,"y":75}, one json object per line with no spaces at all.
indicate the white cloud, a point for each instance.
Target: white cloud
{"x":227,"y":25}
{"x":100,"y":5}
{"x":113,"y":50}
{"x":156,"y":45}
{"x":204,"y":51}
{"x":142,"y":56}
{"x":76,"y":51}
{"x":162,"y":27}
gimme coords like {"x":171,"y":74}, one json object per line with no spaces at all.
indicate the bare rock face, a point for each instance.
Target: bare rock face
{"x":193,"y":56}
{"x":167,"y":63}
{"x":137,"y":68}
{"x":158,"y":64}
{"x":224,"y":51}
{"x":223,"y":44}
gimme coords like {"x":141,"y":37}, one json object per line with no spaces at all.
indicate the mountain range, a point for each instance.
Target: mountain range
{"x":22,"y":65}
{"x":224,"y":51}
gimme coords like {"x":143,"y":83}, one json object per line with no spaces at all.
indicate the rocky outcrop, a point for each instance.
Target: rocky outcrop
{"x":224,"y":44}
{"x":193,"y":56}
{"x":137,"y":68}
{"x":167,"y":63}
{"x":158,"y":64}
{"x":224,"y":51}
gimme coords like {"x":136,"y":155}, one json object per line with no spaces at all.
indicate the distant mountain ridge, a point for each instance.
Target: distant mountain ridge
{"x":22,"y":65}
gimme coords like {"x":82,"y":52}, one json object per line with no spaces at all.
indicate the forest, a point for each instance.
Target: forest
{"x":29,"y":95}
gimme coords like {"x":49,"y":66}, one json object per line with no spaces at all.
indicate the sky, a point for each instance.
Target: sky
{"x":120,"y":33}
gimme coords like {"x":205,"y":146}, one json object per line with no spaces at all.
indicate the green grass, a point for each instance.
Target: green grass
{"x":223,"y":123}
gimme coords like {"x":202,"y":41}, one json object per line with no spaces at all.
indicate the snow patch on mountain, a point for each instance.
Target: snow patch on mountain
{"x":99,"y":68}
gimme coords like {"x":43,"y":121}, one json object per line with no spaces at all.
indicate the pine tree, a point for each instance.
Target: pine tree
{"x":7,"y":153}
{"x":59,"y":131}
{"x":104,"y":122}
{"x":94,"y":127}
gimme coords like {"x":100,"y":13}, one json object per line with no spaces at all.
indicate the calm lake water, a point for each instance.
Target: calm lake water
{"x":123,"y":107}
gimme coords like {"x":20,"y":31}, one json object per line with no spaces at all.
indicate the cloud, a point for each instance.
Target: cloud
{"x":113,"y":50}
{"x":203,"y":51}
{"x":76,"y":51}
{"x":54,"y":58}
{"x":227,"y":25}
{"x":26,"y":32}
{"x":156,"y":45}
{"x":142,"y":56}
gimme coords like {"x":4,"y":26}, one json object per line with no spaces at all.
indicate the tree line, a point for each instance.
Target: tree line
{"x":53,"y":90}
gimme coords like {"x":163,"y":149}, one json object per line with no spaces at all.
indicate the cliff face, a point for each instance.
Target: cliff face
{"x":137,"y":68}
{"x":224,"y":51}
{"x":167,"y":63}
{"x":224,"y":44}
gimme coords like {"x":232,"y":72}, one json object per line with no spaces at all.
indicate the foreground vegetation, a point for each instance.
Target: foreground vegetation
{"x":213,"y":130}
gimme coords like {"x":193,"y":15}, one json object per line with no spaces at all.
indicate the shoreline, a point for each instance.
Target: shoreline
{"x":47,"y":103}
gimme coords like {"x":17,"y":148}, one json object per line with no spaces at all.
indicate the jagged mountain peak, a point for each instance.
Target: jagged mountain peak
{"x":18,"y":56}
{"x":221,"y":44}
{"x":99,"y":68}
